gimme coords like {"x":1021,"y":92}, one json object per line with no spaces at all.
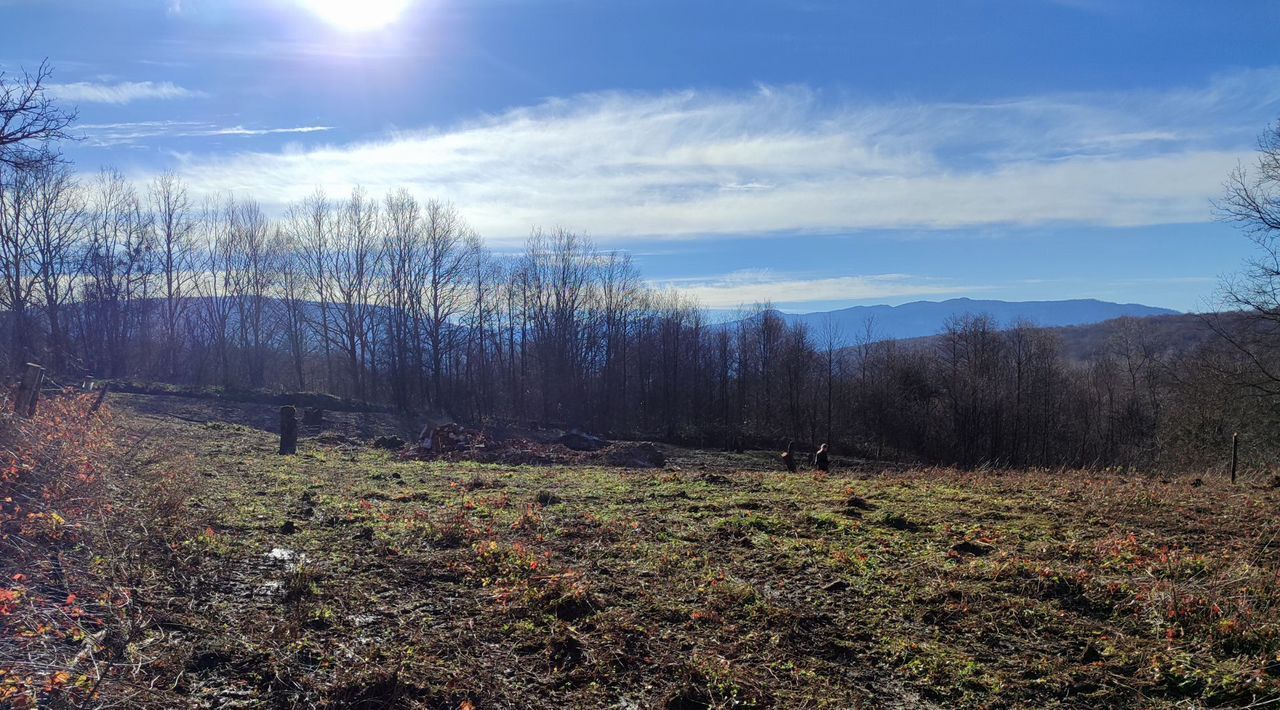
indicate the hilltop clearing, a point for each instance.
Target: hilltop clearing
{"x":348,"y":577}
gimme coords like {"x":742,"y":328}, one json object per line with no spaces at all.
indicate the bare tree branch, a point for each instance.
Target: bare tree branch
{"x":31,"y":123}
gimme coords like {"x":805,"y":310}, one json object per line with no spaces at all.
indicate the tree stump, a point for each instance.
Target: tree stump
{"x":1235,"y":454}
{"x":789,"y":458}
{"x":822,"y":459}
{"x":288,"y":430}
{"x":97,"y":401}
{"x":29,"y":391}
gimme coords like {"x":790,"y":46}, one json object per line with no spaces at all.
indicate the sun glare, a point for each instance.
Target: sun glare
{"x":357,"y":15}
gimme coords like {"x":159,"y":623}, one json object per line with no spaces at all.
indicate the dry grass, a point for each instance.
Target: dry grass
{"x":711,"y":584}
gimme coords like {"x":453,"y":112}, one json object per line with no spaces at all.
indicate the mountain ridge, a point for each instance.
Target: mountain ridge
{"x":917,"y":319}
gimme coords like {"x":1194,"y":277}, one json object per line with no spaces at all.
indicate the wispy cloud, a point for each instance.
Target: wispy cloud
{"x":765,"y":286}
{"x":120,"y":93}
{"x":242,"y":131}
{"x":782,"y":159}
{"x":110,"y":134}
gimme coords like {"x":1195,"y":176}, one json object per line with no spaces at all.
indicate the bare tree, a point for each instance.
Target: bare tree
{"x":57,"y":221}
{"x":403,"y":250}
{"x":174,"y":224}
{"x":17,"y":258}
{"x":117,"y":271}
{"x":558,"y":267}
{"x":293,"y":294}
{"x":254,"y":277}
{"x":831,"y":339}
{"x":619,"y":288}
{"x":218,"y":285}
{"x":1252,"y":201}
{"x":446,"y":255}
{"x":483,"y":272}
{"x":31,"y":124}
{"x":354,"y":270}
{"x":1252,"y":197}
{"x":310,"y":225}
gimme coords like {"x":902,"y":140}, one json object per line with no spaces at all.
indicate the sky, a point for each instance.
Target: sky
{"x":811,"y":153}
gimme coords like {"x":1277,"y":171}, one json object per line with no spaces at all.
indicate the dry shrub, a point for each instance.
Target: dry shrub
{"x":67,"y":586}
{"x":50,"y":493}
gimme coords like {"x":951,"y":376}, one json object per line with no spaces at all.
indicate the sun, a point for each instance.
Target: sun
{"x":357,"y":15}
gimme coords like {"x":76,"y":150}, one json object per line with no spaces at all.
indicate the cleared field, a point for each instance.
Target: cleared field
{"x":345,"y":575}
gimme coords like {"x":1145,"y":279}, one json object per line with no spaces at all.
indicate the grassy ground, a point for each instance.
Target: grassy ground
{"x":344,"y":575}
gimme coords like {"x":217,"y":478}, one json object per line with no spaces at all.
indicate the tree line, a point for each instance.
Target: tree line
{"x":396,"y":299}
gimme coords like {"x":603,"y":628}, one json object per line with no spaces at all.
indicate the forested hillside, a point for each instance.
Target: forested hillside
{"x":395,"y":300}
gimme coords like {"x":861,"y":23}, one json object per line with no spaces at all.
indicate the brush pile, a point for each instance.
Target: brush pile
{"x":453,"y":442}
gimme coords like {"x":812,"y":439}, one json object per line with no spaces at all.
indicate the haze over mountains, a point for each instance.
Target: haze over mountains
{"x":923,"y":318}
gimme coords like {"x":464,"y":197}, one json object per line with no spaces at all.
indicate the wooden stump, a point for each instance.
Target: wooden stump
{"x":1235,"y":454}
{"x":288,"y":430}
{"x":97,"y":401}
{"x":822,"y":459}
{"x":789,"y":459}
{"x":29,"y":391}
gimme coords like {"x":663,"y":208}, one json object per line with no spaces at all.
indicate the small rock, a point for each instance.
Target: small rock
{"x":281,"y":554}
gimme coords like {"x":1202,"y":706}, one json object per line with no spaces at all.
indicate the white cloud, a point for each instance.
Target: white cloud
{"x":109,"y":134}
{"x":764,"y":286}
{"x":780,"y":159}
{"x":242,"y":131}
{"x":120,"y":93}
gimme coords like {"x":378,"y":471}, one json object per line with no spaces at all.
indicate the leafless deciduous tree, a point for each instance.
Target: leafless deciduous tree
{"x":175,"y":226}
{"x":1252,"y":201}
{"x":31,"y":122}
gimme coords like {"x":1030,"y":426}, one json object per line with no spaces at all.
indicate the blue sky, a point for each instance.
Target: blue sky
{"x":813,"y":153}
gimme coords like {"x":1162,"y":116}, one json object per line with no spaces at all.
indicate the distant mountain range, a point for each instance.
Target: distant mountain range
{"x":1181,"y":333}
{"x":924,"y":318}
